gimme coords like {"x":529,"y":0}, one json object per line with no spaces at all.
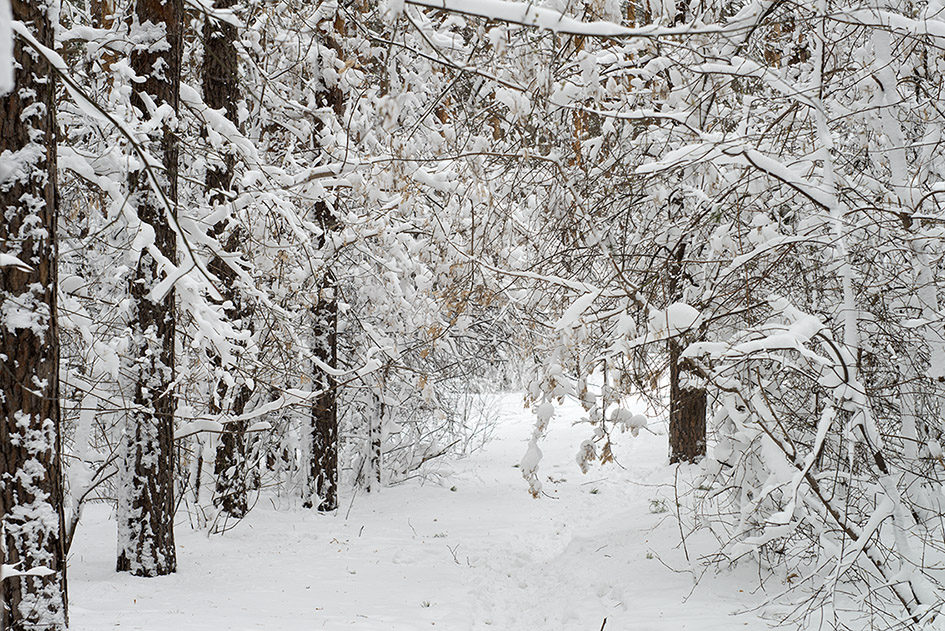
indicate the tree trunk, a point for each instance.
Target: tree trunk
{"x":221,"y":91}
{"x":375,"y":434}
{"x":323,"y":463}
{"x":322,"y":476}
{"x":230,"y":464}
{"x":31,"y":492}
{"x":687,"y":408}
{"x":146,"y":475}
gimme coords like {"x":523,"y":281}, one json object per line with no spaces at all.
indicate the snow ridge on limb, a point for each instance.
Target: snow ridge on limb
{"x":527,"y":14}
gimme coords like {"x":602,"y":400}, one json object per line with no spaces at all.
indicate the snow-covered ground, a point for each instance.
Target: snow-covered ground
{"x":466,"y":550}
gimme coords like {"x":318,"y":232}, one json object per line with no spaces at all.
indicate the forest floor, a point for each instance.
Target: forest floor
{"x":466,"y":548}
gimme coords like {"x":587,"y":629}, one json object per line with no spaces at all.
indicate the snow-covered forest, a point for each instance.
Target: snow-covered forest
{"x":468,"y":314}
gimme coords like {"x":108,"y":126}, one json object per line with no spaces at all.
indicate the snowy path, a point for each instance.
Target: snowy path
{"x":484,"y":556}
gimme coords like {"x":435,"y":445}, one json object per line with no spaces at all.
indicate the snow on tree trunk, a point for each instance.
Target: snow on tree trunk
{"x":230,"y":464}
{"x":322,"y":475}
{"x":375,"y":434}
{"x":221,"y":91}
{"x":146,"y":472}
{"x":323,"y":464}
{"x":31,"y":490}
{"x":687,"y":406}
{"x":687,"y":410}
{"x":321,"y":479}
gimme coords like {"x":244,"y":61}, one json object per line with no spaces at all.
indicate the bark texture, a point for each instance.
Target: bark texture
{"x":687,"y":406}
{"x":323,"y":464}
{"x":375,"y":437}
{"x":687,"y":409}
{"x":30,"y":445}
{"x":146,"y":477}
{"x":322,"y":476}
{"x":221,"y":91}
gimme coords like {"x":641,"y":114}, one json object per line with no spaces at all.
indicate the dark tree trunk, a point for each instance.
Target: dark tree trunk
{"x":687,"y":406}
{"x":146,"y":476}
{"x":323,"y":464}
{"x":101,"y":13}
{"x":221,"y":91}
{"x":230,"y":464}
{"x":375,"y":435}
{"x":322,"y":476}
{"x":31,"y":490}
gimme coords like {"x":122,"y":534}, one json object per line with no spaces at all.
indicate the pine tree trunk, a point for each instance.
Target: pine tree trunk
{"x":31,"y":492}
{"x":221,"y":91}
{"x":230,"y":464}
{"x":146,"y":475}
{"x":322,"y":476}
{"x":323,"y":463}
{"x":687,"y":408}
